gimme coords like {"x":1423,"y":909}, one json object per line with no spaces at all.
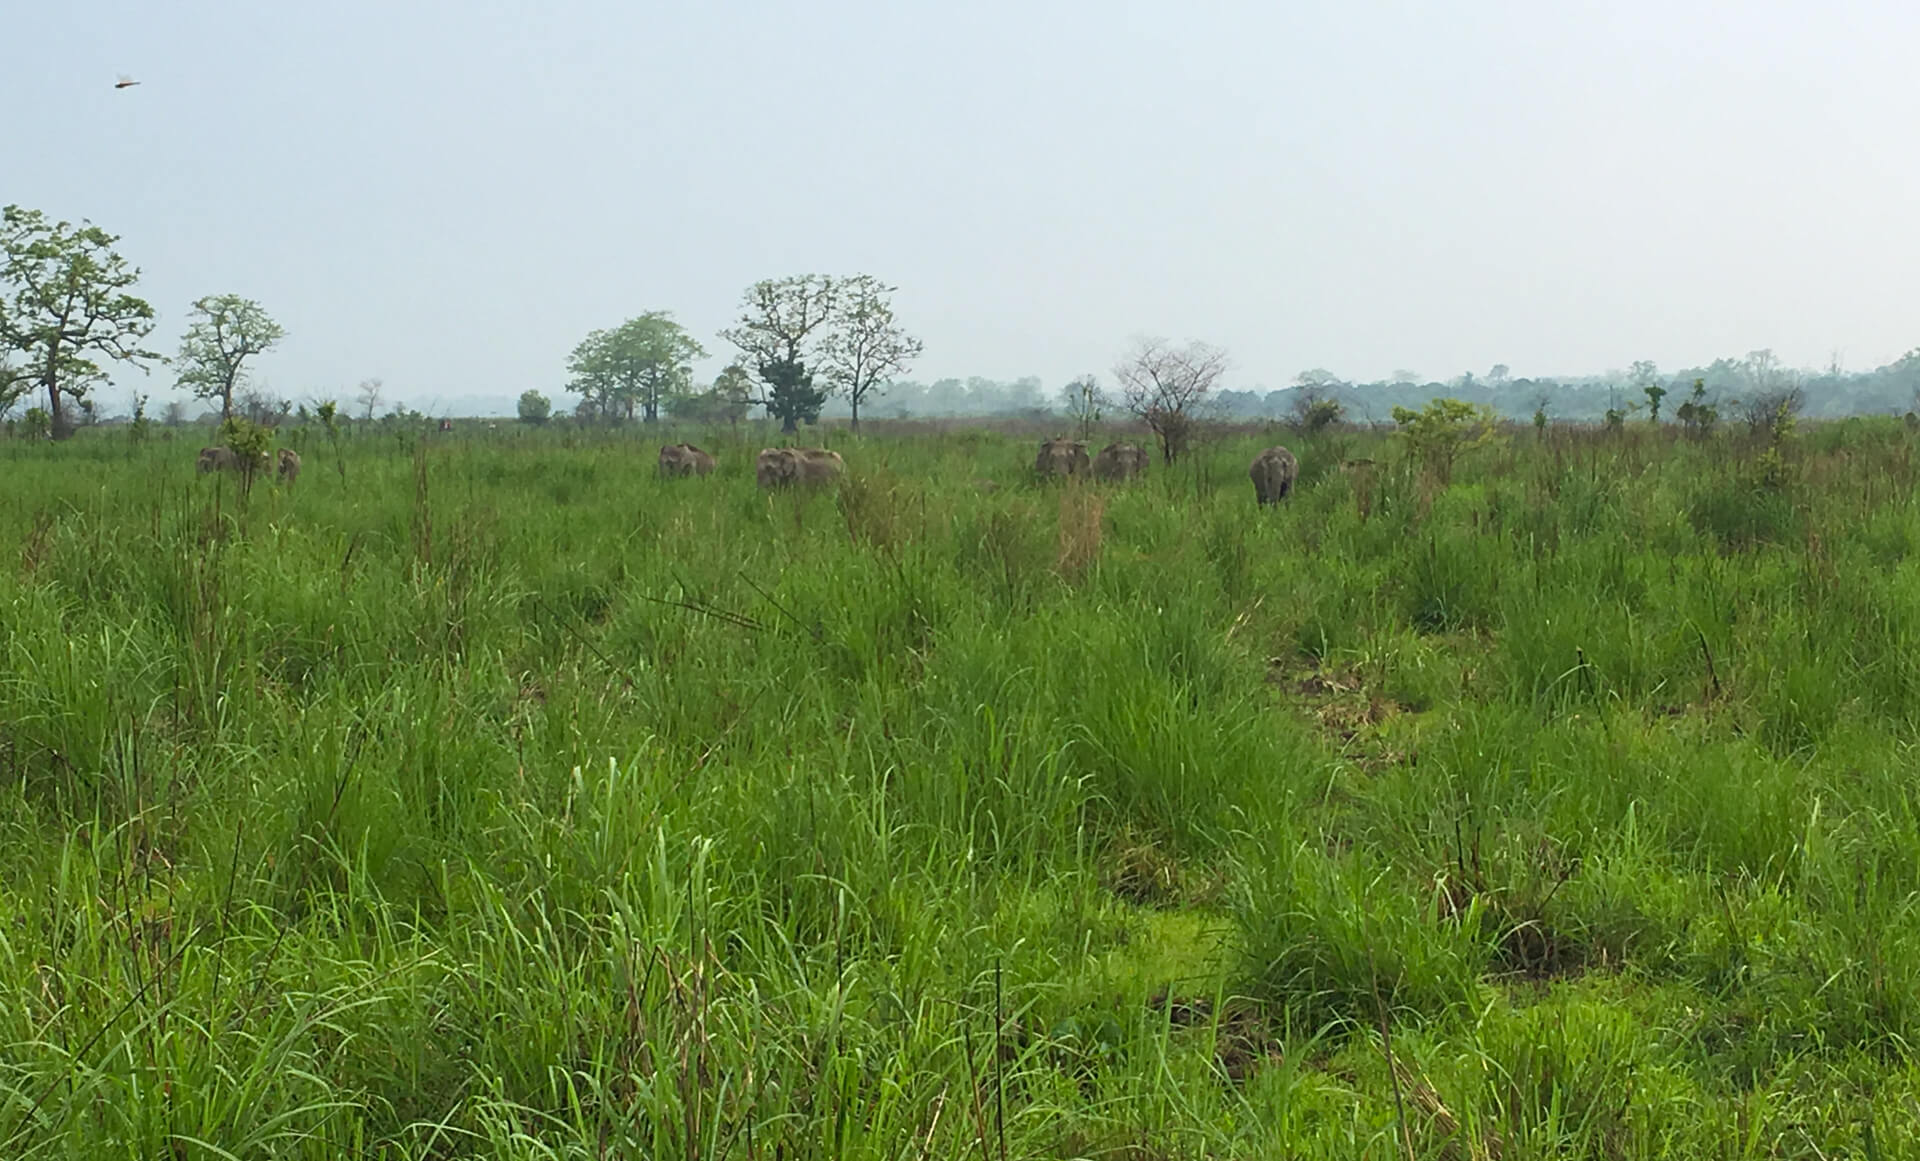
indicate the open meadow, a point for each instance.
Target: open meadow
{"x":487,"y":795}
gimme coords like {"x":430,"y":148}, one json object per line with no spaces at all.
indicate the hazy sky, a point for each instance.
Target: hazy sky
{"x":448,"y":196}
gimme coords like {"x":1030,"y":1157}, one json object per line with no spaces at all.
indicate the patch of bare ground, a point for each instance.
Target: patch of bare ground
{"x":1140,"y":871}
{"x":1345,"y":708}
{"x":1244,"y":1039}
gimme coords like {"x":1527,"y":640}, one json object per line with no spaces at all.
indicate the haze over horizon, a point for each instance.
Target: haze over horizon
{"x":448,"y":197}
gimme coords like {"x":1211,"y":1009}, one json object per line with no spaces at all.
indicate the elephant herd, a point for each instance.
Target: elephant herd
{"x":1273,"y":471}
{"x":285,"y":463}
{"x":776,"y":467}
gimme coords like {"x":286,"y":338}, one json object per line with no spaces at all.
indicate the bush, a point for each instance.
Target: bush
{"x":1696,"y":414}
{"x":534,"y":407}
{"x":1441,"y":432}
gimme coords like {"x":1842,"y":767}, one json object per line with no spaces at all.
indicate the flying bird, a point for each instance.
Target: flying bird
{"x":125,"y":82}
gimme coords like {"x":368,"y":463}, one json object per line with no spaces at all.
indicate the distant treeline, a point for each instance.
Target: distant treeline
{"x":1831,"y":393}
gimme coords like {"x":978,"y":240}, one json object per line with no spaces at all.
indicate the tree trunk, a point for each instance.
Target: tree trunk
{"x":855,"y":401}
{"x":787,"y":425}
{"x":56,"y":418}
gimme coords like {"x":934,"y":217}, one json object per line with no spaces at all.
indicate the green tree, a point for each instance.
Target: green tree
{"x":727,"y":400}
{"x":1696,"y":414}
{"x":328,"y":413}
{"x":733,"y":392}
{"x":636,"y":365}
{"x":64,"y":300}
{"x":1313,"y":408}
{"x":1654,"y":393}
{"x":781,"y":320}
{"x":534,"y":407}
{"x":226,"y":331}
{"x":865,"y":348}
{"x":1444,"y":430}
{"x":249,"y":442}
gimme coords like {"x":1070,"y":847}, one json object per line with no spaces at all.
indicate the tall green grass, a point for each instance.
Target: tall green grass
{"x":489,"y":796}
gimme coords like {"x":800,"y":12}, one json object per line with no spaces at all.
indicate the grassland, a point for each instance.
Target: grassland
{"x":488,"y":796}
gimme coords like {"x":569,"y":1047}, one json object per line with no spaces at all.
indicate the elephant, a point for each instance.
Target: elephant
{"x":217,"y":459}
{"x":1120,"y":461}
{"x":1273,"y":473}
{"x":225,"y":459}
{"x":780,"y":467}
{"x":1061,"y":457}
{"x":684,"y":459}
{"x":289,"y":466}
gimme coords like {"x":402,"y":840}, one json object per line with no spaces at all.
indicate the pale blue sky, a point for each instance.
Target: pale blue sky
{"x":448,"y":196}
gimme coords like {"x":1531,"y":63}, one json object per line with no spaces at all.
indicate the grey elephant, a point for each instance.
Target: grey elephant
{"x":1120,"y":461}
{"x":288,"y":468}
{"x":217,"y":459}
{"x":684,"y":459}
{"x":781,"y":467}
{"x":1061,"y":457}
{"x":1273,"y":473}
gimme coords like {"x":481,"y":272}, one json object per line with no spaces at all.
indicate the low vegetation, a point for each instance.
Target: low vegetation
{"x":494,"y":794}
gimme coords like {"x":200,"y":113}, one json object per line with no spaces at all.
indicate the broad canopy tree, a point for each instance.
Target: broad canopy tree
{"x":227,"y":330}
{"x":636,"y":365}
{"x":781,"y":323}
{"x":64,"y":301}
{"x":865,"y":347}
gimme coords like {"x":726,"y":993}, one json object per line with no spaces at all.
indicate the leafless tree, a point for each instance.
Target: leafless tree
{"x":369,"y":397}
{"x":865,"y":348}
{"x":1167,"y":387}
{"x":1769,"y":411}
{"x":262,"y":406}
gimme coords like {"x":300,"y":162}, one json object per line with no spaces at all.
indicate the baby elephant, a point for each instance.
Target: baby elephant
{"x":1273,"y":472}
{"x":684,"y":459}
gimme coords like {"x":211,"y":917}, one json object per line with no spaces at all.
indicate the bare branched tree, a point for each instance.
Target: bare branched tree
{"x":1769,"y":410}
{"x":1167,"y":387}
{"x":781,"y":321}
{"x":369,"y":396}
{"x":865,"y":348}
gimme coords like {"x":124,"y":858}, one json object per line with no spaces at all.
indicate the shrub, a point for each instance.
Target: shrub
{"x":1445,"y":429}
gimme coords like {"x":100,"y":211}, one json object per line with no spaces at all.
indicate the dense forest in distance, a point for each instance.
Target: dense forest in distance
{"x":1831,"y":393}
